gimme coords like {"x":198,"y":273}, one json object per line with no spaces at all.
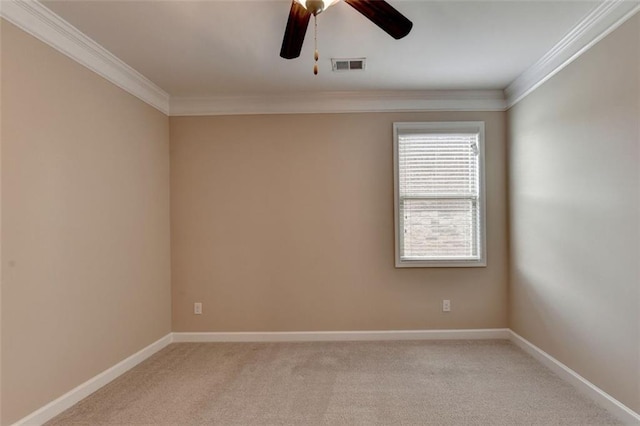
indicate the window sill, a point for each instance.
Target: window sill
{"x":479,"y":263}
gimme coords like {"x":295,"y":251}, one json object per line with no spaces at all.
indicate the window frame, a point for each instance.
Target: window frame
{"x":441,"y":127}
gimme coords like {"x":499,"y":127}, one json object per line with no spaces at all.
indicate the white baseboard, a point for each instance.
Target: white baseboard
{"x":80,"y":392}
{"x":605,"y":400}
{"x":615,"y":407}
{"x":341,"y":336}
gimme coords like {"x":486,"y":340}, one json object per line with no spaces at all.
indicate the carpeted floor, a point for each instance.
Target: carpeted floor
{"x":338,"y":383}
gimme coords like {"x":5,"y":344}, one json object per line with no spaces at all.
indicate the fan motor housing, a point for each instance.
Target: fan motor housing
{"x":314,"y":6}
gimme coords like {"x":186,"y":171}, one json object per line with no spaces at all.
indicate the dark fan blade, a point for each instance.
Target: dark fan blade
{"x":383,"y":15}
{"x":295,"y":31}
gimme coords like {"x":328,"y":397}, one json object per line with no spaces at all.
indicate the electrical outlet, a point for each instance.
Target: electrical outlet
{"x":197,"y":308}
{"x":446,"y":305}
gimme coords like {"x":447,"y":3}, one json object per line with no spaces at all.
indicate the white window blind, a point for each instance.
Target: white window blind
{"x":438,"y":193}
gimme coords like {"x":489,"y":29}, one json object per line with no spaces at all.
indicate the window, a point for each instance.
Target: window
{"x":439,"y":194}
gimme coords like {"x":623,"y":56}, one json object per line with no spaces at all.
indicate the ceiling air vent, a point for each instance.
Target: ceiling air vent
{"x":353,"y":64}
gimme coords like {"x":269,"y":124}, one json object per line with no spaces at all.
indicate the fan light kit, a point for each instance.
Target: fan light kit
{"x":379,"y":12}
{"x":316,"y":6}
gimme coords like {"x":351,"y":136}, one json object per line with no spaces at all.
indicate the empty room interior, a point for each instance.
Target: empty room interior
{"x":320,"y":212}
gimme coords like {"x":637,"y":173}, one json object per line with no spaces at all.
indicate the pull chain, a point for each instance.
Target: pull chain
{"x":315,"y":44}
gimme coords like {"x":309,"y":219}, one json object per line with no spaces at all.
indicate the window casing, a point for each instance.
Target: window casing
{"x":439,"y":194}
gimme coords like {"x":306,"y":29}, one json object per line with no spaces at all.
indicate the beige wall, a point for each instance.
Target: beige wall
{"x":285,"y":222}
{"x":575,"y":215}
{"x":85,"y":221}
{"x":1,"y":260}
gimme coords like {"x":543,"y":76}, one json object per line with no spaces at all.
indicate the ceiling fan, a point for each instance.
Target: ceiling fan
{"x":379,"y":12}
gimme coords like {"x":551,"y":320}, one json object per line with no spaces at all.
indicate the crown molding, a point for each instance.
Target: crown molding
{"x":34,"y":18}
{"x":601,"y":21}
{"x":342,"y":102}
{"x":37,"y":20}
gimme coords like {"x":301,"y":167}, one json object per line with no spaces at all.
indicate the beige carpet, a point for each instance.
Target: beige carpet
{"x":345,"y":383}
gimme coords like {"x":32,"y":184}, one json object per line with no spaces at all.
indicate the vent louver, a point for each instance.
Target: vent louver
{"x":348,"y":64}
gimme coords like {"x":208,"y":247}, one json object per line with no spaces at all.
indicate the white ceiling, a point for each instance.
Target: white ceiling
{"x":214,"y":48}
